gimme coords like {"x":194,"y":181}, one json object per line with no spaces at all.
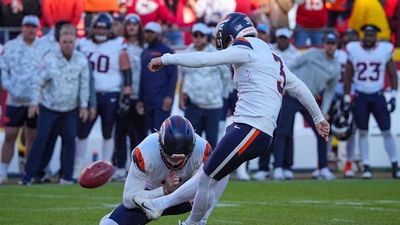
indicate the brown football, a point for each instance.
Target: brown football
{"x":96,"y":174}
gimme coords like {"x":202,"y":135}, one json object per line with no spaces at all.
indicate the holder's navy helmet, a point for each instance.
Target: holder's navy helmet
{"x":177,"y":139}
{"x":232,"y":26}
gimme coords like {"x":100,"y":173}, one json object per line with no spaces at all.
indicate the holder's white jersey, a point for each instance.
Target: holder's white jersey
{"x":104,"y":59}
{"x":148,"y":171}
{"x":261,"y":77}
{"x":369,"y":65}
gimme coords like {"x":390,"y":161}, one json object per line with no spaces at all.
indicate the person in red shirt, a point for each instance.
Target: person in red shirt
{"x":310,"y":18}
{"x":55,"y":10}
{"x":151,"y":11}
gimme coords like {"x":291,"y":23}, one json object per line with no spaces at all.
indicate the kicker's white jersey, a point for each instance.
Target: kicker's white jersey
{"x":104,"y":59}
{"x":147,"y":159}
{"x":369,"y":65}
{"x":260,"y":77}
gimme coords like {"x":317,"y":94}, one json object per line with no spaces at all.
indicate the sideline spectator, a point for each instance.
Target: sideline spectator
{"x":91,"y":7}
{"x":112,"y":79}
{"x":207,"y":10}
{"x":392,"y":9}
{"x":13,"y":11}
{"x":129,"y":122}
{"x":264,"y":32}
{"x":289,"y":53}
{"x":277,"y":11}
{"x":19,"y":65}
{"x":369,"y":12}
{"x":56,"y":10}
{"x":308,"y":27}
{"x":369,"y":60}
{"x":151,"y":11}
{"x":157,"y":90}
{"x":63,"y":87}
{"x":201,"y":92}
{"x":320,"y":71}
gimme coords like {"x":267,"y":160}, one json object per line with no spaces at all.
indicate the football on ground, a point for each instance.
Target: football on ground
{"x":96,"y":174}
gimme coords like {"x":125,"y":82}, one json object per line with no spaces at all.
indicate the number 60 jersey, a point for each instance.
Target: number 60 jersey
{"x":369,"y":65}
{"x":104,"y":60}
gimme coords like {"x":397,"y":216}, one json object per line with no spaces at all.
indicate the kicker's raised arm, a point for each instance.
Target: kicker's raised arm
{"x":231,"y":55}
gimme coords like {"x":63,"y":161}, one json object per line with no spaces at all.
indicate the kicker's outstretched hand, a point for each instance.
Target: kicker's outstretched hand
{"x":155,"y":64}
{"x":323,"y":129}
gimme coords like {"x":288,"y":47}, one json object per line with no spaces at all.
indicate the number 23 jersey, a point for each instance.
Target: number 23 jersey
{"x":369,"y":65}
{"x":104,"y":60}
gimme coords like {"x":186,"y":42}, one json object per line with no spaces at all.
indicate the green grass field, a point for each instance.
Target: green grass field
{"x":307,"y":202}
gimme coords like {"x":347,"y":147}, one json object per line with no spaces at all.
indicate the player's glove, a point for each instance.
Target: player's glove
{"x":391,"y":104}
{"x":124,"y":104}
{"x":346,"y":107}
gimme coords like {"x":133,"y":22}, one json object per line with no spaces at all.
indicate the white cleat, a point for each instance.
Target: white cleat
{"x":147,"y":206}
{"x":397,"y":175}
{"x":366,"y":175}
{"x":316,"y":174}
{"x":260,"y":175}
{"x":278,"y":174}
{"x":288,"y":174}
{"x":241,"y":173}
{"x":326,"y":174}
{"x":349,"y":174}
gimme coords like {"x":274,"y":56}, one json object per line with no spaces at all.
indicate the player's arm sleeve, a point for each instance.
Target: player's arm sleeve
{"x":172,"y":72}
{"x":392,"y":71}
{"x":92,"y":91}
{"x":207,"y":152}
{"x":296,"y":88}
{"x":125,"y":67}
{"x":231,"y":55}
{"x":84,"y":91}
{"x":348,"y":76}
{"x":135,"y":182}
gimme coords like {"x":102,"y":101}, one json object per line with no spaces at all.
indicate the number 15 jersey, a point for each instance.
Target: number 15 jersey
{"x":369,"y":65}
{"x":104,"y":60}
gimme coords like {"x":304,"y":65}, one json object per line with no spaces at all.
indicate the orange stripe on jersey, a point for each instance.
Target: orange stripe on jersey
{"x":242,"y":39}
{"x":207,"y":152}
{"x":138,"y":159}
{"x":248,"y":143}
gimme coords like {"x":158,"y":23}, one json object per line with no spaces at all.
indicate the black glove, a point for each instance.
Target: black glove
{"x":124,"y":104}
{"x":391,"y":104}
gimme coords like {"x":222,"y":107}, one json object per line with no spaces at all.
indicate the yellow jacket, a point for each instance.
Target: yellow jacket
{"x":370,"y":12}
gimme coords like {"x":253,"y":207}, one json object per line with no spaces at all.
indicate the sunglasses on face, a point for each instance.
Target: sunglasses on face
{"x":198,"y":34}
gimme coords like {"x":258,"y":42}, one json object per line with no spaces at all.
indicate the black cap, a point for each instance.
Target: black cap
{"x":371,"y":28}
{"x":330,"y":37}
{"x":119,"y":17}
{"x":350,"y":31}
